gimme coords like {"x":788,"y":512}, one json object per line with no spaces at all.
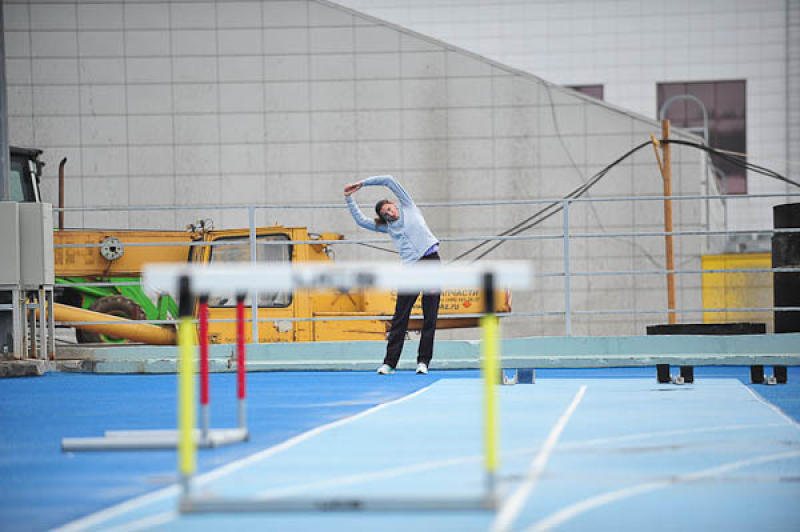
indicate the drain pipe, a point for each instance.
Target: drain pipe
{"x":61,"y":193}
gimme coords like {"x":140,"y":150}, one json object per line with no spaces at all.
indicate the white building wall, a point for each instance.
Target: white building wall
{"x":199,"y":103}
{"x":793,"y":82}
{"x":629,"y":46}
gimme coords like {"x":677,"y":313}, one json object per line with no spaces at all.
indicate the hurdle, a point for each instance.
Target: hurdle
{"x":204,"y":437}
{"x":188,"y":279}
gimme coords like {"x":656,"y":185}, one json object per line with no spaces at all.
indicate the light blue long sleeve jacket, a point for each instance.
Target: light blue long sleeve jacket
{"x":409,"y":232}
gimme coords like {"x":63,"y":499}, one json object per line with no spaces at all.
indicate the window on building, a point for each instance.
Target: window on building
{"x":727,"y":127}
{"x":595,"y":91}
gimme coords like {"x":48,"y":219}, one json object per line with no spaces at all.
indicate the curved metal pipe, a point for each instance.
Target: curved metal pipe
{"x":662,"y":114}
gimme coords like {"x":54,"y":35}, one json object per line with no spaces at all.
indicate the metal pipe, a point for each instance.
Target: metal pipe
{"x":567,"y":284}
{"x":553,"y":236}
{"x":662,"y":114}
{"x":114,"y":326}
{"x":61,"y":193}
{"x":336,"y":206}
{"x":5,"y":160}
{"x":251,"y":219}
{"x":507,"y":315}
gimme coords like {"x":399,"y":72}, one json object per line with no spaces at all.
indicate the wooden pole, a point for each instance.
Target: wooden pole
{"x":666,"y":174}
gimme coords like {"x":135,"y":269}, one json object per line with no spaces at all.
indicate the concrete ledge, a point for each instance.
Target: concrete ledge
{"x":538,"y":352}
{"x":25,"y":368}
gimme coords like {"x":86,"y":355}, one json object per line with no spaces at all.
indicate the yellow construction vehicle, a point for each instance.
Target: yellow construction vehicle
{"x":118,"y":256}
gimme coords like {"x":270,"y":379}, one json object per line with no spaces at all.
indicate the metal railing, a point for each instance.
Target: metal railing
{"x":566,"y":236}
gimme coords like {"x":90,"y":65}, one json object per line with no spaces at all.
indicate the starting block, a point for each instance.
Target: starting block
{"x":518,"y":376}
{"x":663,"y":375}
{"x":779,"y":375}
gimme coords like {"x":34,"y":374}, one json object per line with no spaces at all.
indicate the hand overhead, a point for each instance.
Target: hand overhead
{"x":351,"y":188}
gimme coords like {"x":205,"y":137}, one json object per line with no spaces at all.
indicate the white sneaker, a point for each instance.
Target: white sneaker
{"x":422,"y":368}
{"x":385,"y":369}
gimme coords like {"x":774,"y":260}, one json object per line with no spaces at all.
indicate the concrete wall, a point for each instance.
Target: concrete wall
{"x":793,"y":83}
{"x":630,"y":46}
{"x":284,"y":102}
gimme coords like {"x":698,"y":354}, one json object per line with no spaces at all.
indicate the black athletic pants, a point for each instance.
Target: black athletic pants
{"x":402,"y":311}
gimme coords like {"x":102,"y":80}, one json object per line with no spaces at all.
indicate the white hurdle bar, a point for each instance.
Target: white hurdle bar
{"x":189,"y":279}
{"x":143,"y":440}
{"x":241,"y":278}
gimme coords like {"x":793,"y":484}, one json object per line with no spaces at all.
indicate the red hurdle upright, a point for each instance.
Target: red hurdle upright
{"x":240,"y":360}
{"x":203,"y":333}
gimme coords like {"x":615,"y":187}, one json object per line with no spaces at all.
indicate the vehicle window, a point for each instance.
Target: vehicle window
{"x":20,"y":185}
{"x":266,"y":251}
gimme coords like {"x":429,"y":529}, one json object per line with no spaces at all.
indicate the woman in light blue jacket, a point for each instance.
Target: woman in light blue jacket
{"x":404,"y":223}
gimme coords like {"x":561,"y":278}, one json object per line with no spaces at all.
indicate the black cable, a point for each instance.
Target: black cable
{"x":735,"y":160}
{"x":558,"y":206}
{"x":555,"y":207}
{"x":575,"y":194}
{"x":377,"y":247}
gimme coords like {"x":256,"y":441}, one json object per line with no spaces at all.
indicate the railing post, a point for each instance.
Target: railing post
{"x":251,"y":215}
{"x":567,"y":289}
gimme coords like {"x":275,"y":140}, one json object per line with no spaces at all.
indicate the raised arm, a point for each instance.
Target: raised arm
{"x":359,"y":217}
{"x":392,"y":184}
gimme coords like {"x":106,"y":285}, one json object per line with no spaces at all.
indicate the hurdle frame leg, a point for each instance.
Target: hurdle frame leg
{"x":205,"y":437}
{"x":241,"y":370}
{"x":205,"y":414}
{"x":490,"y":348}
{"x":187,"y":450}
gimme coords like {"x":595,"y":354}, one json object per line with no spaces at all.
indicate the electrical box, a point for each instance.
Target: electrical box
{"x":36,"y":241}
{"x":9,"y":243}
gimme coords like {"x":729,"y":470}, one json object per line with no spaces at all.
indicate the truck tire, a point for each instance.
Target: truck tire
{"x":115,"y":305}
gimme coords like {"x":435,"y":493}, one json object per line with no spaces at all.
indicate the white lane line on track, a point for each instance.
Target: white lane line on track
{"x":773,"y":407}
{"x":662,"y":433}
{"x":435,"y":464}
{"x":146,"y":522}
{"x":368,"y":476}
{"x":427,"y":466}
{"x":512,"y":506}
{"x":565,"y":514}
{"x":174,"y":490}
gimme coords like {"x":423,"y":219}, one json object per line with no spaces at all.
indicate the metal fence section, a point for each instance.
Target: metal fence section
{"x":567,"y":236}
